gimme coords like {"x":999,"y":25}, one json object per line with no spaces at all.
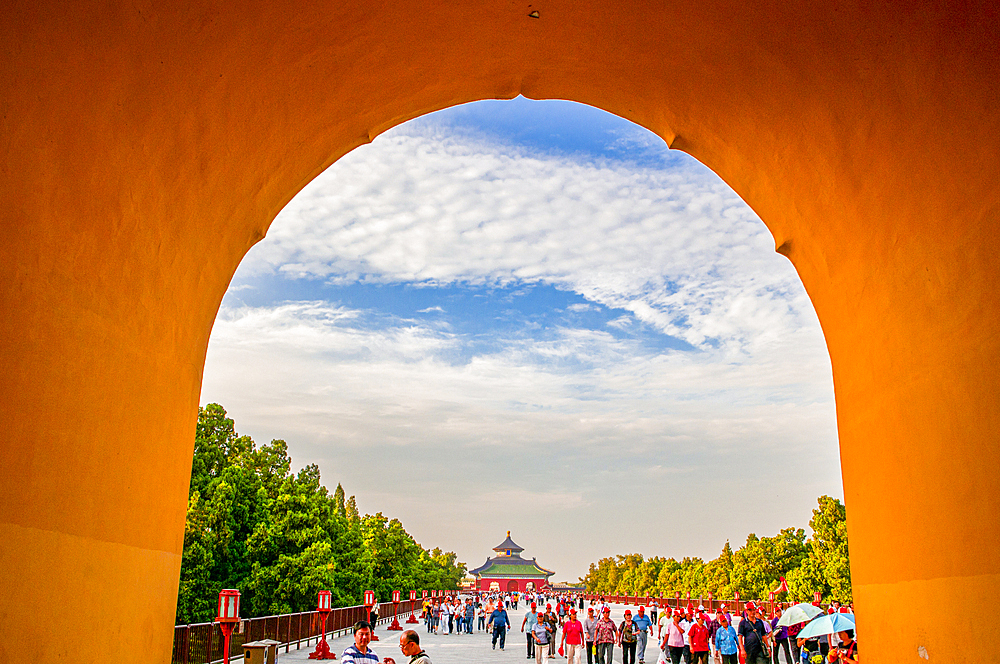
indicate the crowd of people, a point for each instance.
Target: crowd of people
{"x":553,"y":628}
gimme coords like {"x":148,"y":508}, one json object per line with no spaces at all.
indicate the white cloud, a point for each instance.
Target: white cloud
{"x":677,"y":248}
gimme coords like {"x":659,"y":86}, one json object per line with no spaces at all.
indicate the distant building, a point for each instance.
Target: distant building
{"x":507,"y":571}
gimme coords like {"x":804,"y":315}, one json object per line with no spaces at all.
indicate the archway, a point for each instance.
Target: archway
{"x":147,"y":147}
{"x":512,"y":586}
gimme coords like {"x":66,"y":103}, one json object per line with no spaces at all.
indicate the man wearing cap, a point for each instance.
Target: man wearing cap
{"x":664,"y":623}
{"x":687,"y":619}
{"x":552,"y":622}
{"x":572,"y":637}
{"x":500,"y":623}
{"x":605,"y":636}
{"x":590,"y":627}
{"x":530,"y":620}
{"x":359,"y":652}
{"x":752,"y":637}
{"x":643,"y":628}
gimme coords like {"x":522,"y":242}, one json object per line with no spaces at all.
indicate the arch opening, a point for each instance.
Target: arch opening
{"x":431,"y":280}
{"x":147,"y":150}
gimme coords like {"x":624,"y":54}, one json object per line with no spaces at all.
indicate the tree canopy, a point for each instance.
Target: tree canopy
{"x":817,"y":564}
{"x":280,"y":537}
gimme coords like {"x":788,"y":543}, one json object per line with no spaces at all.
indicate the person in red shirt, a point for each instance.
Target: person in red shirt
{"x":572,"y":638}
{"x":699,"y":634}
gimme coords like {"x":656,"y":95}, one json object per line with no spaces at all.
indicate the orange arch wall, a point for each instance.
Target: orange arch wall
{"x":146,"y":146}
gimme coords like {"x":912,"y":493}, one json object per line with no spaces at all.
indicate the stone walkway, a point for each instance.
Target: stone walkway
{"x":460,"y":648}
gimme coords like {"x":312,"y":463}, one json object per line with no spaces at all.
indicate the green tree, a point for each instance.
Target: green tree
{"x":820,"y":563}
{"x":338,"y":501}
{"x":280,"y":537}
{"x":353,"y":517}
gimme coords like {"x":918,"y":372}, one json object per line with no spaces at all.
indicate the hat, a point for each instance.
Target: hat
{"x":702,"y":616}
{"x":572,"y":609}
{"x":751,"y":606}
{"x":607,"y":610}
{"x":590,"y":609}
{"x":701,"y":607}
{"x":548,"y":606}
{"x":627,"y":612}
{"x":534,"y":605}
{"x":722,"y":607}
{"x":845,"y":609}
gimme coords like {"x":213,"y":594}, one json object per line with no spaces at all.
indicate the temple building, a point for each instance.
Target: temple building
{"x":509,"y":572}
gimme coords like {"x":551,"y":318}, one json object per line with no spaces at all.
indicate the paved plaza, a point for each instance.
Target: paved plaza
{"x":461,"y":648}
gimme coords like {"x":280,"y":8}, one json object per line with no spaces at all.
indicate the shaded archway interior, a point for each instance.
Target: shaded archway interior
{"x":147,"y":147}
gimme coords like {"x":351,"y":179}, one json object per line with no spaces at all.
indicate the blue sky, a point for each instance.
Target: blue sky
{"x":513,"y":306}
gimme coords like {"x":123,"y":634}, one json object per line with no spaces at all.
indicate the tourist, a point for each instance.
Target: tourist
{"x":552,"y":621}
{"x":481,"y":612}
{"x":627,"y":638}
{"x":780,"y":636}
{"x":652,"y":615}
{"x":470,"y":614}
{"x":359,"y":652}
{"x":847,"y":652}
{"x":444,"y":618}
{"x":663,"y":624}
{"x":589,"y":626}
{"x":793,"y":640}
{"x":529,"y":622}
{"x":725,"y":640}
{"x":643,"y":628}
{"x":753,"y":637}
{"x":409,"y":644}
{"x":500,"y":623}
{"x":686,"y":621}
{"x":572,"y":638}
{"x":606,"y":634}
{"x":673,"y":639}
{"x":541,"y":635}
{"x":699,"y":636}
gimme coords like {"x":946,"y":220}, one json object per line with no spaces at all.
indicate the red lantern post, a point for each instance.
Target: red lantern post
{"x":771,"y":597}
{"x":228,"y":616}
{"x":323,"y":605}
{"x":737,"y":601}
{"x":817,"y":598}
{"x":412,"y":620}
{"x":395,"y":626}
{"x":369,"y":603}
{"x":678,"y":603}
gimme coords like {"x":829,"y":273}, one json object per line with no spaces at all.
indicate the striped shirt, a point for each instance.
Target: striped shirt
{"x":354,"y":656}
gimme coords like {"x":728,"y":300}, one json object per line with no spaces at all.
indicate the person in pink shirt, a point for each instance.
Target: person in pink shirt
{"x":572,"y":638}
{"x":673,"y":640}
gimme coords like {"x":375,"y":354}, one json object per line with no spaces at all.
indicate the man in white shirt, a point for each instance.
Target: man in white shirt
{"x":445,"y":617}
{"x":359,"y":652}
{"x":686,"y":623}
